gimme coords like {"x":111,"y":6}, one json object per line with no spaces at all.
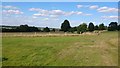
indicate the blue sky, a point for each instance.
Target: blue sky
{"x":60,"y":0}
{"x":52,"y":14}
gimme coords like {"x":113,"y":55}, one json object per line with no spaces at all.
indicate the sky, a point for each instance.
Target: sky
{"x":59,"y":0}
{"x":52,"y":14}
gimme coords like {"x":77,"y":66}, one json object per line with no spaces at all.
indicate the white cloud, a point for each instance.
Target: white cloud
{"x":107,"y":9}
{"x":39,"y":14}
{"x":87,"y":14}
{"x":54,"y":16}
{"x":51,"y":13}
{"x":110,"y":17}
{"x":78,"y":13}
{"x":12,"y":12}
{"x":35,"y":9}
{"x":79,"y":6}
{"x":34,"y":17}
{"x":70,"y":13}
{"x":46,"y":19}
{"x":9,"y":7}
{"x":55,"y":13}
{"x":93,"y":7}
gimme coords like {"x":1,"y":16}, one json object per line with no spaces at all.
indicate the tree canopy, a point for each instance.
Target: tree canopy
{"x":91,"y":27}
{"x":46,"y":29}
{"x":101,"y":27}
{"x":65,"y":26}
{"x":113,"y":26}
{"x":82,"y":28}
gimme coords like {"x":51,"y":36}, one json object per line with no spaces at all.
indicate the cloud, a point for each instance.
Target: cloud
{"x":46,"y":19}
{"x":107,"y":9}
{"x":79,"y":6}
{"x":93,"y":7}
{"x":70,"y":13}
{"x":87,"y":14}
{"x":51,"y":13}
{"x":50,"y":19}
{"x":34,"y":9}
{"x":110,"y":17}
{"x":34,"y":17}
{"x":55,"y":13}
{"x":39,"y":14}
{"x":54,"y":16}
{"x":9,"y":7}
{"x":12,"y":12}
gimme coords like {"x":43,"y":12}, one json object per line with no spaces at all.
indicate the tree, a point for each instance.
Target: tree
{"x":53,"y":30}
{"x":113,"y":26}
{"x":82,"y":28}
{"x":96,"y":27}
{"x":46,"y":29}
{"x":91,"y":27}
{"x":33,"y":29}
{"x":65,"y":26}
{"x":23,"y":28}
{"x":118,"y":27}
{"x":73,"y":29}
{"x":101,"y":27}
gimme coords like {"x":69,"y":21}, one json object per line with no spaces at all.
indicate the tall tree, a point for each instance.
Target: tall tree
{"x":113,"y":26}
{"x":53,"y":30}
{"x":82,"y":28}
{"x":23,"y":28}
{"x":96,"y":27}
{"x":91,"y":27}
{"x":46,"y":29}
{"x":101,"y":27}
{"x":118,"y":27}
{"x":65,"y":26}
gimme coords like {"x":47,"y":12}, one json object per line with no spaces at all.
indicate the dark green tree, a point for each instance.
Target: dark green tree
{"x":101,"y":27}
{"x":82,"y":28}
{"x":53,"y":30}
{"x":118,"y":27}
{"x":91,"y":27}
{"x":33,"y":29}
{"x":65,"y":26}
{"x":113,"y":26}
{"x":46,"y":29}
{"x":96,"y":27}
{"x":23,"y":28}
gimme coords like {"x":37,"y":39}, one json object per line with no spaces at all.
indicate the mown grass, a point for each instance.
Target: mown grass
{"x":84,"y":50}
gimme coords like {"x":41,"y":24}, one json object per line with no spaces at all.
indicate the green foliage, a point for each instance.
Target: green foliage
{"x":53,"y":30}
{"x":46,"y":29}
{"x":23,"y":28}
{"x":101,"y":27}
{"x":65,"y":26}
{"x":118,"y":27}
{"x":96,"y":27}
{"x":4,"y":59}
{"x":82,"y":28}
{"x":113,"y":26}
{"x":91,"y":27}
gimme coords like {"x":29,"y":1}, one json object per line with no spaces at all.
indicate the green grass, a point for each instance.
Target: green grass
{"x":84,"y":50}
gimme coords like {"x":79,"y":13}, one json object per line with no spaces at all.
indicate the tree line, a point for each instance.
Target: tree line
{"x":65,"y":27}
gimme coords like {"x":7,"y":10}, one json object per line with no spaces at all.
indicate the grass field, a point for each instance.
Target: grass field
{"x":84,"y":50}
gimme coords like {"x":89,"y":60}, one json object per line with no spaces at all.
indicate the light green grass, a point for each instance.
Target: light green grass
{"x":84,"y":50}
